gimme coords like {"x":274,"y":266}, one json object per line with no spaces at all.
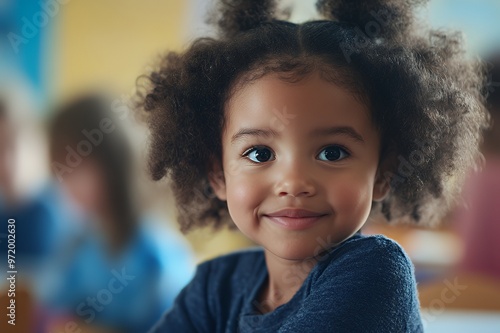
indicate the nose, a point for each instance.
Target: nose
{"x":295,"y":180}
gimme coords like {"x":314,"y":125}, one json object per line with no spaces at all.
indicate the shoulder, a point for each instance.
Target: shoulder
{"x":372,"y":266}
{"x":371,"y":242}
{"x":369,"y":252}
{"x":238,"y":264}
{"x":371,"y":282}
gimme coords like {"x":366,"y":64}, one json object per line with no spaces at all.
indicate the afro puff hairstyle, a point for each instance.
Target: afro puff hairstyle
{"x":426,"y":97}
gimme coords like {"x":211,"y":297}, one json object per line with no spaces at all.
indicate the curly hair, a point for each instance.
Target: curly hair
{"x":426,"y":97}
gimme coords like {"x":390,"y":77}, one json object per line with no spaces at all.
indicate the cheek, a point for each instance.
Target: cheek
{"x":244,"y":195}
{"x":85,"y":188}
{"x":351,"y":197}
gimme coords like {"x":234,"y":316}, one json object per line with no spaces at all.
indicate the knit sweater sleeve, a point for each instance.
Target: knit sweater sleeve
{"x":368,"y":286}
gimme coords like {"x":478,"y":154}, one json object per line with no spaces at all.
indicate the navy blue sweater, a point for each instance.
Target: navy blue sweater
{"x":366,"y":284}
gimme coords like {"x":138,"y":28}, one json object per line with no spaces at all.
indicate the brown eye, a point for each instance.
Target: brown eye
{"x":259,"y":154}
{"x":333,"y":153}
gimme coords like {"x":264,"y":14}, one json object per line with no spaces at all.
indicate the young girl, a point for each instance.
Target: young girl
{"x":101,"y":266}
{"x":301,"y":132}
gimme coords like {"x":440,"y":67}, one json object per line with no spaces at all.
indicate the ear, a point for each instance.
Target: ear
{"x":381,"y":187}
{"x":382,"y":184}
{"x":217,"y":180}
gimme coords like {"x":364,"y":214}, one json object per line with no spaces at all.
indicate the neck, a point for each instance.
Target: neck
{"x":116,"y":231}
{"x":285,"y":279}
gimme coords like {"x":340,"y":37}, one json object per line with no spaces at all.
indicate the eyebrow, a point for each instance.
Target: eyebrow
{"x":339,"y":130}
{"x":336,"y":130}
{"x":244,"y":132}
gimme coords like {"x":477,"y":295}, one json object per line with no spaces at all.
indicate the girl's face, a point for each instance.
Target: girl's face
{"x":86,"y":186}
{"x":309,"y":146}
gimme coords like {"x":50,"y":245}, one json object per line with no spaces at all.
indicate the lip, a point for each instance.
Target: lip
{"x":294,"y":219}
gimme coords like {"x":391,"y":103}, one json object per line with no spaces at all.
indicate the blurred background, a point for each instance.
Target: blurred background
{"x":79,"y":265}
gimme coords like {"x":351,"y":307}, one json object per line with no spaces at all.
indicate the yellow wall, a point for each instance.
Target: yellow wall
{"x":110,"y":42}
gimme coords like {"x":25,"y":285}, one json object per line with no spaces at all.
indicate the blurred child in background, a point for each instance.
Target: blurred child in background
{"x":117,"y":275}
{"x":35,"y":214}
{"x":37,"y":210}
{"x":479,"y":220}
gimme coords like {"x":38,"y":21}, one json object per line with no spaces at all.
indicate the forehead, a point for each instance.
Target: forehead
{"x":309,"y":103}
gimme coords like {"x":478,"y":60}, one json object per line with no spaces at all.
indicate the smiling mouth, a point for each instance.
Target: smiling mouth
{"x":294,"y":218}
